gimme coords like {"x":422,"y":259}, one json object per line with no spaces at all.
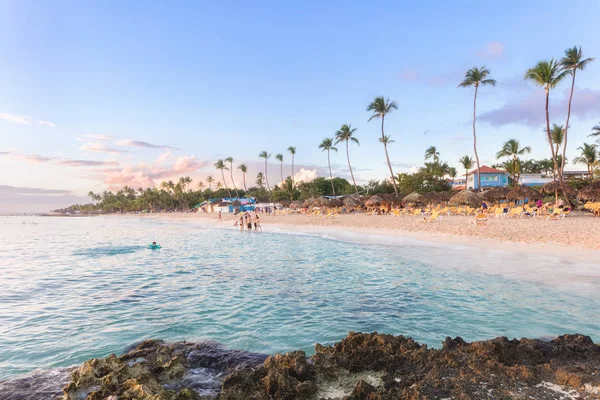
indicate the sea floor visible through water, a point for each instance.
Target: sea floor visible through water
{"x":78,"y":288}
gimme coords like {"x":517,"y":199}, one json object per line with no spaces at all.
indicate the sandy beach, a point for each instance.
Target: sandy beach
{"x":577,"y":236}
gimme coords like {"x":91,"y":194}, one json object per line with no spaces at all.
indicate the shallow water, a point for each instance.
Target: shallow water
{"x":76,"y":288}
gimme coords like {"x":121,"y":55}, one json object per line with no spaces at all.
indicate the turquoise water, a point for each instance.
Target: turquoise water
{"x":76,"y":288}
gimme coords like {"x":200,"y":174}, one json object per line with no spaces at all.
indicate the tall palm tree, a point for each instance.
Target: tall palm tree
{"x":548,"y":75}
{"x":244,"y":169}
{"x":200,"y":185}
{"x":327,"y":145}
{"x":589,"y":157}
{"x":221,"y":165}
{"x":572,"y":61}
{"x":512,"y":148}
{"x":380,"y":108}
{"x":292,"y":151}
{"x":346,"y":134}
{"x":595,"y":131}
{"x":266,"y":156}
{"x":432,"y":152}
{"x":260,"y":178}
{"x":230,"y":161}
{"x":210,"y":180}
{"x":279,"y":157}
{"x":452,"y":174}
{"x":467,"y":163}
{"x":557,"y":133}
{"x":477,"y":77}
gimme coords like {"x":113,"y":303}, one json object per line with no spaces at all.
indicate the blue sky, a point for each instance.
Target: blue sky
{"x":134,"y":94}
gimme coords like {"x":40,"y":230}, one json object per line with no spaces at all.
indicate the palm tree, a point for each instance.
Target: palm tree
{"x":589,"y":157}
{"x":230,"y":161}
{"x":221,"y":165}
{"x":244,"y":169}
{"x":380,"y":108}
{"x":477,"y":77}
{"x":467,"y":163}
{"x":346,"y":134}
{"x":260,"y":178}
{"x":210,"y":180}
{"x":595,"y":131}
{"x":557,"y":133}
{"x":432,"y":152}
{"x":452,"y":174}
{"x":548,"y":74}
{"x":279,"y":157}
{"x":572,"y":61}
{"x":266,"y":156}
{"x":219,"y":185}
{"x":292,"y":151}
{"x":200,"y":185}
{"x":327,"y":145}
{"x":512,"y":148}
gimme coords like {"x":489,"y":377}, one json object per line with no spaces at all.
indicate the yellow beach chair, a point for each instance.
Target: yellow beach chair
{"x":434,"y":217}
{"x":480,"y":219}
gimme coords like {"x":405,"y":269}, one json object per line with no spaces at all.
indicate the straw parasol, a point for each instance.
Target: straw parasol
{"x":590,"y":192}
{"x":390,"y":198}
{"x":308,"y":202}
{"x":374,"y":201}
{"x":351,"y":202}
{"x":554,"y":187}
{"x":284,"y":202}
{"x":494,"y":194}
{"x":320,"y":202}
{"x":522,"y":192}
{"x":430,"y":197}
{"x":335,"y":203}
{"x":296,"y":204}
{"x":465,"y":197}
{"x":414,"y":197}
{"x":445,"y":196}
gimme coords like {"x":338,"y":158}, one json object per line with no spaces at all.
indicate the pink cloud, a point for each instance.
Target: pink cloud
{"x":493,"y":49}
{"x":409,"y":75}
{"x":529,"y":110}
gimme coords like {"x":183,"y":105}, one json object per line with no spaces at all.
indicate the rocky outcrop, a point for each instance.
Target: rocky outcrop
{"x":360,"y":367}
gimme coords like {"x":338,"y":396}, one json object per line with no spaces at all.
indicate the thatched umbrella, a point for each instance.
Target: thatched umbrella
{"x":430,"y":197}
{"x":296,"y":204}
{"x":494,"y":194}
{"x":284,"y":202}
{"x":465,"y":197}
{"x":554,"y":187}
{"x":335,"y":203}
{"x":590,"y":192}
{"x":351,"y":202}
{"x":523,"y":192}
{"x":308,"y":203}
{"x":320,"y":202}
{"x":414,"y":197}
{"x":374,"y":201}
{"x":390,"y":198}
{"x":445,"y":196}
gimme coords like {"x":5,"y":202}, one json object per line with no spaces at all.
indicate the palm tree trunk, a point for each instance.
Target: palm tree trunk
{"x":293,"y":181}
{"x":564,"y":152}
{"x":233,"y":182}
{"x":387,"y":157}
{"x":330,"y":174}
{"x":467,"y":180}
{"x":225,"y":183}
{"x":560,"y":178}
{"x":351,"y":174}
{"x":475,"y":139}
{"x":267,"y":176}
{"x":244,"y":178}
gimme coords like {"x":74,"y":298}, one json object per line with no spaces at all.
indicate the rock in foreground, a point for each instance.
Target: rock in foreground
{"x":360,"y":367}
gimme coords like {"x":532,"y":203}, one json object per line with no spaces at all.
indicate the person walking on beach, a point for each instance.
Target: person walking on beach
{"x":220,"y":217}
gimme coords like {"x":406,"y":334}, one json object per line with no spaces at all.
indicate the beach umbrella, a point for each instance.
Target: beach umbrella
{"x":296,"y":204}
{"x":465,"y":197}
{"x":494,"y":194}
{"x":446,"y":196}
{"x":430,"y":197}
{"x":351,"y":202}
{"x":236,"y":203}
{"x":374,"y":201}
{"x":284,"y":203}
{"x":390,"y":198}
{"x":590,"y":192}
{"x":308,"y":203}
{"x":335,"y":203}
{"x":414,"y":197}
{"x":554,"y":187}
{"x":320,"y":202}
{"x":522,"y":192}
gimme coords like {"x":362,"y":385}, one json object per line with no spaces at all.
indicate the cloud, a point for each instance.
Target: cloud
{"x":102,"y":148}
{"x":304,"y":175}
{"x":409,"y":75}
{"x":86,"y":163}
{"x":19,"y":119}
{"x":29,"y":200}
{"x":145,"y":145}
{"x":493,"y":49}
{"x":48,"y":123}
{"x":150,"y":175}
{"x":164,"y":157}
{"x":99,"y":136}
{"x":529,"y":110}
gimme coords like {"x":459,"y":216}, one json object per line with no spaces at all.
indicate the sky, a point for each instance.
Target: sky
{"x":101,"y":94}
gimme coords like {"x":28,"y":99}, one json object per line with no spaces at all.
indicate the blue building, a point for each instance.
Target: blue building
{"x":490,"y":177}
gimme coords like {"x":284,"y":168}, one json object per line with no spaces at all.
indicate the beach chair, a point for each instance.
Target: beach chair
{"x":434,"y":217}
{"x":515,"y":212}
{"x":499,"y":213}
{"x":480,"y":219}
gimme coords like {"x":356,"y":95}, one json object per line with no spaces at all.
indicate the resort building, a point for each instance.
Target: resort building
{"x":226,"y":205}
{"x":490,"y":177}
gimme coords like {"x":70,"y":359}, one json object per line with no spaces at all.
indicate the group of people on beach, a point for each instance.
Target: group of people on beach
{"x":246,"y":222}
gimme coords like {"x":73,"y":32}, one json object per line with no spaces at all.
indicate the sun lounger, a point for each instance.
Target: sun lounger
{"x":434,"y":217}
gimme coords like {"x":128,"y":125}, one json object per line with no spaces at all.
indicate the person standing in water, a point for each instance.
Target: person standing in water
{"x":220,"y":217}
{"x":257,"y":223}
{"x":249,"y":221}
{"x":241,"y":224}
